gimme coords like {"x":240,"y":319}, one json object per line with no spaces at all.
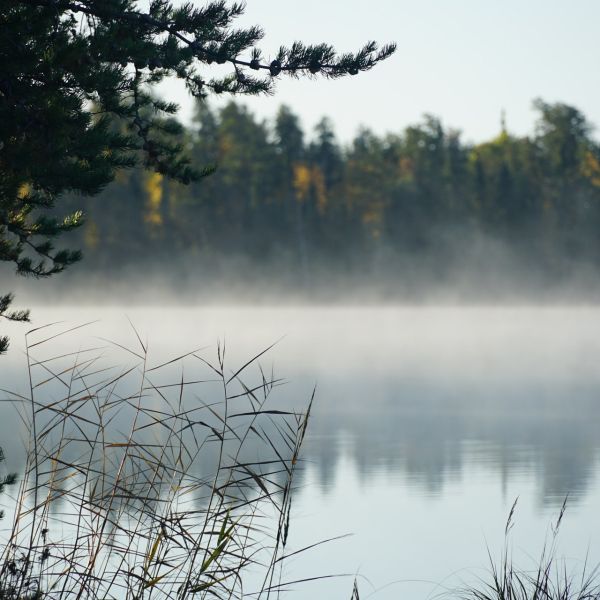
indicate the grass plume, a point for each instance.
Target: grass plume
{"x":549,"y":579}
{"x":150,"y":481}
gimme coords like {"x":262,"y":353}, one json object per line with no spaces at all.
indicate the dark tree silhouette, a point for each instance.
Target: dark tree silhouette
{"x":76,"y":102}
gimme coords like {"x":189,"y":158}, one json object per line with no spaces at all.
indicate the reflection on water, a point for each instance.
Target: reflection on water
{"x":427,"y":450}
{"x":415,"y":392}
{"x":427,"y":412}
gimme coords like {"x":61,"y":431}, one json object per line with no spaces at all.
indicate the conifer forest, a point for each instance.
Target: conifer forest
{"x":294,"y":209}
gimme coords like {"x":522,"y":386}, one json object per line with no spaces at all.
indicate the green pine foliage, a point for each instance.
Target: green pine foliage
{"x":21,"y":316}
{"x":76,"y":101}
{"x":6,"y":479}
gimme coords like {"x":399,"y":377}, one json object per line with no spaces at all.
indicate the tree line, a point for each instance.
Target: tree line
{"x":303,"y":208}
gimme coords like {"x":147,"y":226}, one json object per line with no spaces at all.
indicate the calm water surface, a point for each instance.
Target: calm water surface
{"x":428,"y":423}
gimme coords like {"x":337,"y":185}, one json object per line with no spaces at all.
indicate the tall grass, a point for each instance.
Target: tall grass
{"x":169,"y":480}
{"x":549,"y":578}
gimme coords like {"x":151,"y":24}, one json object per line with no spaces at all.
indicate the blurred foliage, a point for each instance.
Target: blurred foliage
{"x":280,"y":197}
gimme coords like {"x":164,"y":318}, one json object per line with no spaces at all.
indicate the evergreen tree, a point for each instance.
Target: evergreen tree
{"x":292,"y":186}
{"x":325,"y":153}
{"x":76,"y":102}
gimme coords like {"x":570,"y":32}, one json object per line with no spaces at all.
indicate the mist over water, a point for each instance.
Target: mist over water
{"x":465,"y":270}
{"x":428,"y":422}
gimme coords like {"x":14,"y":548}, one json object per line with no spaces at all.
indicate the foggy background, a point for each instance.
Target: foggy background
{"x":415,"y":215}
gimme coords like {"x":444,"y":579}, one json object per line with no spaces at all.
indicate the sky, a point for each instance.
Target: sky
{"x":464,"y":61}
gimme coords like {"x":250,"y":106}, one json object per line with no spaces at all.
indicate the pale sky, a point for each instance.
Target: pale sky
{"x":461,"y":60}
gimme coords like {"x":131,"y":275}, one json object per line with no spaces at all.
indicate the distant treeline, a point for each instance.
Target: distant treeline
{"x":406,"y":206}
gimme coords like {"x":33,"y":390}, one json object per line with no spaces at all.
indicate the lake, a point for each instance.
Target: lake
{"x":428,"y":423}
